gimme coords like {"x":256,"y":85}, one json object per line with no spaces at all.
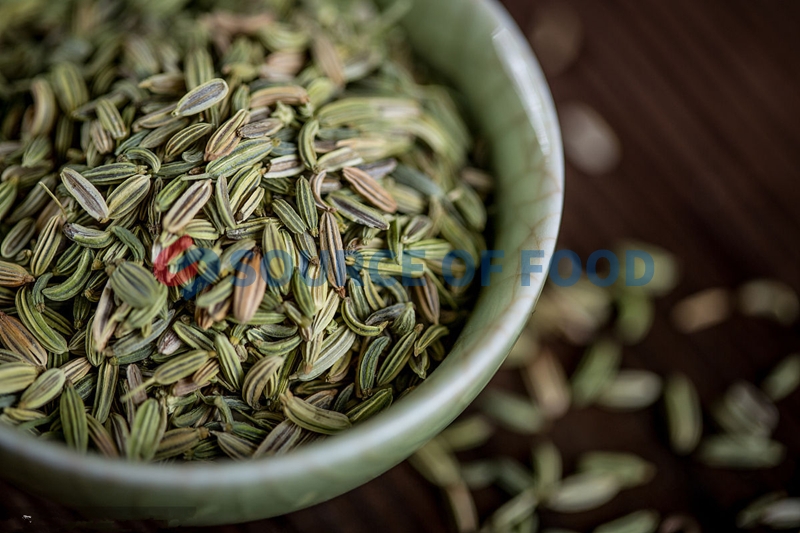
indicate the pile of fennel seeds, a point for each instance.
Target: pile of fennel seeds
{"x":136,"y":136}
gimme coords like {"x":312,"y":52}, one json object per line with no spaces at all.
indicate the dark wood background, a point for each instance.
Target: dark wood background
{"x":703,"y":96}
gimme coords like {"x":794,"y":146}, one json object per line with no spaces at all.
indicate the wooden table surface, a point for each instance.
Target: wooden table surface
{"x":704,"y":99}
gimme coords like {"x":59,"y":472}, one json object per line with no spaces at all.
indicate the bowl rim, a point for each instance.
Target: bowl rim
{"x":525,"y":73}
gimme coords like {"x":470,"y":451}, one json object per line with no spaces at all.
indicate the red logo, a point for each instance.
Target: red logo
{"x":161,"y":265}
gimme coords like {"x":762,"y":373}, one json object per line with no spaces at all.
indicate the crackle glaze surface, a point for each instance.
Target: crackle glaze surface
{"x":478,"y":47}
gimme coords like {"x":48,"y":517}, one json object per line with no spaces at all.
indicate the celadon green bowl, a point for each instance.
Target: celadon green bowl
{"x":477,"y":46}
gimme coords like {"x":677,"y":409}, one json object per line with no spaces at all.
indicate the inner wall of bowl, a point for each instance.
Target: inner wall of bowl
{"x":513,"y":110}
{"x":476,"y":45}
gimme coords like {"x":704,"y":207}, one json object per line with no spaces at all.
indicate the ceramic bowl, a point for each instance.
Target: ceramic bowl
{"x":477,"y":46}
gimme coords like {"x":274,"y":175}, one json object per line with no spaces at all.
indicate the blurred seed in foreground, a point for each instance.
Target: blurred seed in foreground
{"x":784,"y":378}
{"x":702,"y":310}
{"x":556,"y":35}
{"x":769,"y":298}
{"x":684,"y":414}
{"x":546,"y":381}
{"x":590,"y":142}
{"x":645,"y":521}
